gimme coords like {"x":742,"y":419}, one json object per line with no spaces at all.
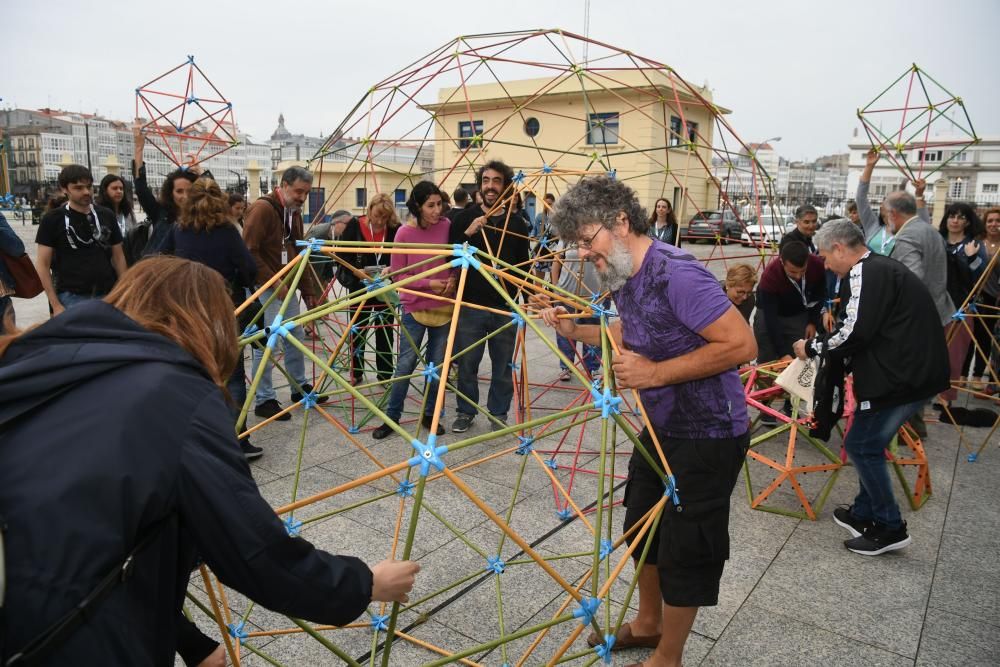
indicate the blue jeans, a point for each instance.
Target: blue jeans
{"x":407,"y":362}
{"x":294,"y":361}
{"x":474,"y":325}
{"x":591,"y":353}
{"x":69,"y":299}
{"x":870,"y":434}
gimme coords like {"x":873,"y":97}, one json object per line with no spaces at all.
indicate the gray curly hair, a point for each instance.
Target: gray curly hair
{"x":597,"y":199}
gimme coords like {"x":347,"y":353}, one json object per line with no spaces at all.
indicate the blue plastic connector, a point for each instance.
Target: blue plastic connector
{"x":972,"y":458}
{"x":405,"y":489}
{"x":613,"y":174}
{"x":546,"y":169}
{"x":380,"y":623}
{"x":606,"y":403}
{"x":525,"y":446}
{"x":606,"y":548}
{"x":278,"y":329}
{"x":309,"y":400}
{"x":588,"y":607}
{"x":519,"y":177}
{"x":427,"y":455}
{"x":565,"y":514}
{"x":237,"y":631}
{"x":517,"y":319}
{"x":251,"y":330}
{"x":552,"y":464}
{"x":495,"y":565}
{"x":431,"y":372}
{"x":670,"y":490}
{"x":353,"y":429}
{"x":603,"y":650}
{"x":292,"y":526}
{"x":464,"y":256}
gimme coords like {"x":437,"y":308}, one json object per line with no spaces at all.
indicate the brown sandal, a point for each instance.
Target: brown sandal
{"x":625,"y":639}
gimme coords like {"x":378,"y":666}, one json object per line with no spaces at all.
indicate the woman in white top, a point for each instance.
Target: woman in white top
{"x":111,"y":194}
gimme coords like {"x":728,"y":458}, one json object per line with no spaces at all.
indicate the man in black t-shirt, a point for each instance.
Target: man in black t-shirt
{"x":80,"y":254}
{"x":477,"y":323}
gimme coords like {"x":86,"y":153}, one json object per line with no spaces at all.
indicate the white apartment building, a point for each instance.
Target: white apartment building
{"x":972,"y":175}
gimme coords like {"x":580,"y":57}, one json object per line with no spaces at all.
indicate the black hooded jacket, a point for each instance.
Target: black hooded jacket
{"x":107,"y":430}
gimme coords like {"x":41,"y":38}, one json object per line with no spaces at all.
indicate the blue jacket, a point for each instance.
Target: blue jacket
{"x":108,"y":430}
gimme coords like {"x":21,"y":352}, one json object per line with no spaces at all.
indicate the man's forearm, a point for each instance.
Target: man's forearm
{"x":708,"y":360}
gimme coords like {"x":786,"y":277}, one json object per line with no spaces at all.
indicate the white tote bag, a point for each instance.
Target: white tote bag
{"x":798,"y":380}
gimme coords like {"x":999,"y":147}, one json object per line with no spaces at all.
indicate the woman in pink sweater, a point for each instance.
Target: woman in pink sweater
{"x":422,"y":313}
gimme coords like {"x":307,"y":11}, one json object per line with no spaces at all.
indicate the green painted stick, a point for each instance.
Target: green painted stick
{"x":333,"y":648}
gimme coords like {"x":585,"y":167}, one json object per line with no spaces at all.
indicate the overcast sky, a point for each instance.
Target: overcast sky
{"x":795,"y":69}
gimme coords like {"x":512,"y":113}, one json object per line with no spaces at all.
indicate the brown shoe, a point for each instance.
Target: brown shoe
{"x":625,"y":639}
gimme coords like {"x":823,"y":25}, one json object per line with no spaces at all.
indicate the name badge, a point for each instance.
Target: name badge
{"x":284,"y":257}
{"x":866,"y":405}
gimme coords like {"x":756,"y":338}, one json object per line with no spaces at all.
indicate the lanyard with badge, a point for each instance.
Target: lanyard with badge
{"x":287,"y":224}
{"x":71,"y":236}
{"x":376,"y":269}
{"x":801,"y":287}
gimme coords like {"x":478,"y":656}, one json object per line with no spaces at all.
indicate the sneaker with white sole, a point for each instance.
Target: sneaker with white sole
{"x":856,"y":527}
{"x":878,"y":540}
{"x":462,"y":423}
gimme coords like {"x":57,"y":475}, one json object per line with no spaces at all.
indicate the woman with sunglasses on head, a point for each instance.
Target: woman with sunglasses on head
{"x":111,"y":194}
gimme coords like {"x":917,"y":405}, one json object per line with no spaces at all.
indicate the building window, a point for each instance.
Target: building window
{"x":990,"y":188}
{"x":957,"y":189}
{"x":360,"y":197}
{"x":960,"y":156}
{"x":602,"y":128}
{"x":468,"y":129}
{"x":929,"y":156}
{"x":677,"y":133}
{"x":531,"y":127}
{"x":400,"y":196}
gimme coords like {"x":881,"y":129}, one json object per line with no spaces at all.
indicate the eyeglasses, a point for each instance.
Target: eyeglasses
{"x":587,"y":244}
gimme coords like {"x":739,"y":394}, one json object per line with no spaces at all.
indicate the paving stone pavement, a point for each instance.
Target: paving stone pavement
{"x":791,"y":593}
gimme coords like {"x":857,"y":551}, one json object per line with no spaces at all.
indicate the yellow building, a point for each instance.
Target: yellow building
{"x":632,"y":122}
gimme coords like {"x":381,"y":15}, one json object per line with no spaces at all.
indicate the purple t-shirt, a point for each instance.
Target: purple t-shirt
{"x":663,"y":307}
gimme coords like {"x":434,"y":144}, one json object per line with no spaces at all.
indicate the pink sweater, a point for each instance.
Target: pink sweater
{"x":437,"y":234}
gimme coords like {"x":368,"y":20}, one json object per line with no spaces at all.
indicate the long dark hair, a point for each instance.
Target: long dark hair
{"x":671,"y":218}
{"x":167,"y":191}
{"x":103,"y":199}
{"x":419,"y":195}
{"x":974,"y":230}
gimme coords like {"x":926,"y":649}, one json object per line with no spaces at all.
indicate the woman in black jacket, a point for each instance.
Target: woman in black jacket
{"x":206,"y":233}
{"x":163,"y":211}
{"x":377,"y":228}
{"x":133,"y":457}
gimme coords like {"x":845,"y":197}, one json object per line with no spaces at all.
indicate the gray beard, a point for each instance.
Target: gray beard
{"x":619,"y":270}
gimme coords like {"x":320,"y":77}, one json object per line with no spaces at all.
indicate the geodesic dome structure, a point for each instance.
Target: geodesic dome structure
{"x":514,"y":525}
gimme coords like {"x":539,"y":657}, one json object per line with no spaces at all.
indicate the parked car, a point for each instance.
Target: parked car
{"x":712,"y":225}
{"x":764,"y":231}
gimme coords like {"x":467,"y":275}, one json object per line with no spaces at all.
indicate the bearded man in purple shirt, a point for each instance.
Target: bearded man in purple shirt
{"x":681,"y":340}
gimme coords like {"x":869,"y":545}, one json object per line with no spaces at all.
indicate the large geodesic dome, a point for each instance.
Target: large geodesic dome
{"x":516,"y":526}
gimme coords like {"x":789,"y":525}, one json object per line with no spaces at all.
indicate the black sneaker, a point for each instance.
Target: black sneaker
{"x":767,"y":419}
{"x":307,"y":388}
{"x":462,"y":423}
{"x":249,"y":450}
{"x":856,"y":527}
{"x":383,"y":431}
{"x":269,"y":408}
{"x":426,"y":423}
{"x":878,"y":540}
{"x":499,"y":424}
